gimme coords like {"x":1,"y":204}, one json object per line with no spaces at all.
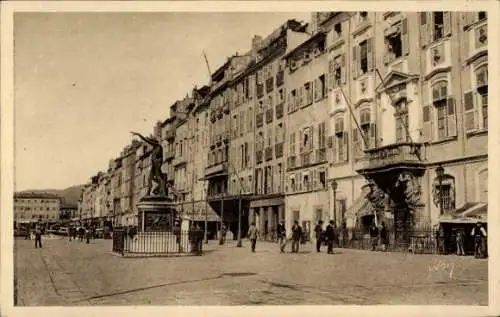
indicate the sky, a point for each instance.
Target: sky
{"x":83,"y":81}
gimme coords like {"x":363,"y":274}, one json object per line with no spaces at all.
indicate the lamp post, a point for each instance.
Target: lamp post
{"x":334,"y":188}
{"x":440,"y":174}
{"x":221,"y":238}
{"x":239,"y":244}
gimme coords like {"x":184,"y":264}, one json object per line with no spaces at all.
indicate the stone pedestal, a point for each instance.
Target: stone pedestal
{"x":156,"y":213}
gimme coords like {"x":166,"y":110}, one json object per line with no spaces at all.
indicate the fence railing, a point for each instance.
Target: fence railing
{"x":164,"y":243}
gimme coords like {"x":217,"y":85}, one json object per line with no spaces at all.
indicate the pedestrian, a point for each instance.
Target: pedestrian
{"x":374,"y":236}
{"x":296,"y":236}
{"x":330,"y":236}
{"x":224,"y":233}
{"x":479,"y":234}
{"x":460,"y":242}
{"x":384,"y":237}
{"x":87,"y":234}
{"x":38,"y":237}
{"x":253,"y":234}
{"x":344,"y":233}
{"x":281,"y":231}
{"x":318,"y":230}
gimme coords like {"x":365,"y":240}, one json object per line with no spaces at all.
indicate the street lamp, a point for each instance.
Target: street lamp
{"x":334,"y":188}
{"x":239,"y":244}
{"x":440,"y":174}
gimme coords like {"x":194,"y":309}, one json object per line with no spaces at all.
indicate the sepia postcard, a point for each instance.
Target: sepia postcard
{"x":233,"y":158}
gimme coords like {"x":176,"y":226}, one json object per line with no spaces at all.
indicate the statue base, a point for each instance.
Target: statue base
{"x":156,"y":213}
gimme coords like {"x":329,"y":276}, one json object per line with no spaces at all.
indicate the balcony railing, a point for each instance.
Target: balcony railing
{"x":280,"y":78}
{"x":216,"y":168}
{"x":320,"y":155}
{"x":269,"y":84}
{"x":269,"y":115}
{"x":259,"y":120}
{"x":258,"y":156}
{"x":280,"y":110}
{"x":292,"y":162}
{"x":278,"y":149}
{"x":305,"y":158}
{"x":268,"y":153}
{"x":260,"y":90}
{"x":395,"y":154}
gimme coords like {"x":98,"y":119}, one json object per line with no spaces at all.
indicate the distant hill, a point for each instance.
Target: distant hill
{"x":70,"y":195}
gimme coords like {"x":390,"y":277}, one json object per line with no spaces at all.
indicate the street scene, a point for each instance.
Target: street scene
{"x":71,"y":273}
{"x":327,"y":158}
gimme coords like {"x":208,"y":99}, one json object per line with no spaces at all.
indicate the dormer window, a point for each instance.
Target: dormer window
{"x":338,"y":29}
{"x":363,"y":15}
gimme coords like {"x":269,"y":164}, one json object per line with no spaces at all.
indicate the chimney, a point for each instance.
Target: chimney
{"x":257,"y":39}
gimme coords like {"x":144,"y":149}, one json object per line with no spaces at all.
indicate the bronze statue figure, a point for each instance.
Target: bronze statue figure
{"x":155,"y":175}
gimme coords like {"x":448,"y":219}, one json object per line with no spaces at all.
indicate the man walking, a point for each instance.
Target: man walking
{"x":330,"y":236}
{"x":253,"y":234}
{"x":460,"y":242}
{"x":374,"y":236}
{"x":479,"y":235}
{"x":296,"y":235}
{"x":318,"y":230}
{"x":38,"y":237}
{"x":384,"y":237}
{"x":281,"y":231}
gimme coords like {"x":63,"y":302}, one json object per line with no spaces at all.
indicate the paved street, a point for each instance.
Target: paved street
{"x":74,"y":273}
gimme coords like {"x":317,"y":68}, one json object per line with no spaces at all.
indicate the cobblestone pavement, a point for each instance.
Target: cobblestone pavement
{"x":72,"y":273}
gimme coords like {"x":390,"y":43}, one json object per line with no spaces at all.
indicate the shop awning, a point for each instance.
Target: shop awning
{"x":470,"y":212}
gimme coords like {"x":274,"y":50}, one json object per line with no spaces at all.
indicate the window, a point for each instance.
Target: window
{"x":322,"y":135}
{"x":438,"y":27}
{"x":306,"y":142}
{"x":292,"y":144}
{"x":482,"y":15}
{"x":394,"y":44}
{"x":322,"y":179}
{"x":309,"y":93}
{"x":402,"y":121}
{"x":482,"y":94}
{"x":319,"y":88}
{"x":292,"y":184}
{"x":246,"y":155}
{"x":363,"y":49}
{"x":445,"y":107}
{"x":363,"y":15}
{"x":293,"y":104}
{"x":444,"y":194}
{"x":337,"y":71}
{"x":338,"y":29}
{"x":306,"y":182}
{"x":339,"y":146}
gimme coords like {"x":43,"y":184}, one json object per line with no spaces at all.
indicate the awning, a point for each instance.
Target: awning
{"x":470,"y":212}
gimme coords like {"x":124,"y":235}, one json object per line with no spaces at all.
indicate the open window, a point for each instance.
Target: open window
{"x":438,"y":26}
{"x":363,"y":49}
{"x":338,"y":29}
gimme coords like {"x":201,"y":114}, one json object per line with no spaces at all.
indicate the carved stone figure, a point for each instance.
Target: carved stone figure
{"x":409,"y":186}
{"x":377,"y":197}
{"x":155,"y":175}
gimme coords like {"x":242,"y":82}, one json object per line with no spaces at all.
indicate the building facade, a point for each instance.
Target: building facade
{"x":36,"y":208}
{"x":348,"y":118}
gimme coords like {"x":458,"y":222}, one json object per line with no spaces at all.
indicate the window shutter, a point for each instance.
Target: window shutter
{"x":345,"y":144}
{"x":316,"y":86}
{"x":447,"y":23}
{"x":289,"y":102}
{"x":424,"y":34}
{"x":301,"y":141}
{"x":405,"y":37}
{"x":354,"y":61}
{"x":356,"y":146}
{"x":373,"y":135}
{"x":427,"y":124}
{"x":311,"y":138}
{"x":370,"y":56}
{"x":330,"y":142}
{"x":342,"y":70}
{"x":451,"y":118}
{"x":314,"y":180}
{"x":334,"y":148}
{"x":470,"y":112}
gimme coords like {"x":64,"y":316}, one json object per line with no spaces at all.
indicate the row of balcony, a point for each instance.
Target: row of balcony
{"x":269,"y":115}
{"x":218,"y":139}
{"x":307,"y":158}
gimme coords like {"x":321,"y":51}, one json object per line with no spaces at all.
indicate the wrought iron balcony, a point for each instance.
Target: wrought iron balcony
{"x":216,"y":168}
{"x":268,"y":153}
{"x":259,"y":120}
{"x":280,"y":108}
{"x":394,"y":155}
{"x":269,"y":115}
{"x":258,"y":156}
{"x":278,"y":149}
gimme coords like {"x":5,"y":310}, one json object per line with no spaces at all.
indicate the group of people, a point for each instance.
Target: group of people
{"x":81,"y":233}
{"x":478,"y":233}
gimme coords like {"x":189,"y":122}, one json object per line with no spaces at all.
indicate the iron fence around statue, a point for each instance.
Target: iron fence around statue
{"x":171,"y":243}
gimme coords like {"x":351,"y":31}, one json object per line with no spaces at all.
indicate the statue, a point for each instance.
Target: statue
{"x":155,"y":175}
